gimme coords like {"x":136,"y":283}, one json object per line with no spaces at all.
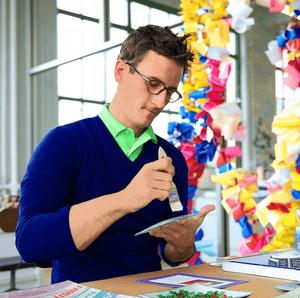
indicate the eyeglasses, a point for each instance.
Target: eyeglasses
{"x":156,"y":87}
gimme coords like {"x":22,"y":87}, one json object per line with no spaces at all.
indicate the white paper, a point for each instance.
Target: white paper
{"x":198,"y":289}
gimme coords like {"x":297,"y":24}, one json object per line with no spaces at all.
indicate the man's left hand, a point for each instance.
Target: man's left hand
{"x":181,"y":235}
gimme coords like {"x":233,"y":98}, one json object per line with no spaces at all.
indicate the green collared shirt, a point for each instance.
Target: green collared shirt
{"x":125,"y":136}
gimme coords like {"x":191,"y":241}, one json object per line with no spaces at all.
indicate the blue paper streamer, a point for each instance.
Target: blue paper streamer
{"x":182,"y":112}
{"x":199,"y":234}
{"x":204,"y":123}
{"x":186,"y":131}
{"x":198,"y":94}
{"x":192,"y":116}
{"x":205,"y":151}
{"x":171,"y":127}
{"x":298,"y":162}
{"x":287,"y":35}
{"x":198,"y":262}
{"x":191,"y":191}
{"x":247,"y":229}
{"x":295,"y":194}
{"x":206,"y":246}
{"x":225,"y":168}
{"x":296,"y":13}
{"x":202,"y":58}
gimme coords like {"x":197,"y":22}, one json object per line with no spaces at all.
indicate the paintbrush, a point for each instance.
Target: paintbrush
{"x":174,"y":200}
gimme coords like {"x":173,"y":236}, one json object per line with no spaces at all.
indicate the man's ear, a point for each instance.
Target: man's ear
{"x":120,"y":68}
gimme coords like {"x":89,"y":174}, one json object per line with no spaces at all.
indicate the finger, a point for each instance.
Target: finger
{"x":161,"y":189}
{"x":164,"y":165}
{"x":167,"y":234}
{"x":170,"y":160}
{"x":156,"y":232}
{"x":162,"y":195}
{"x":189,"y":223}
{"x":204,"y":210}
{"x":170,"y":228}
{"x":173,"y":226}
{"x":162,"y":176}
{"x":159,"y":194}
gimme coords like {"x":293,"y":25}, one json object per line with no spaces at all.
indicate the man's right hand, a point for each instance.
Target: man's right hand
{"x":153,"y":181}
{"x":89,"y":219}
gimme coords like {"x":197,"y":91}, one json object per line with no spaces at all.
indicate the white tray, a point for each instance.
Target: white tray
{"x":257,"y":264}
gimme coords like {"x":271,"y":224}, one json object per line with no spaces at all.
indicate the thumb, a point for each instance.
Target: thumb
{"x":207,"y":208}
{"x":204,"y":210}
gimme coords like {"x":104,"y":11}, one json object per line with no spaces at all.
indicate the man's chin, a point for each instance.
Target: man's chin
{"x":146,"y":122}
{"x":143,"y":125}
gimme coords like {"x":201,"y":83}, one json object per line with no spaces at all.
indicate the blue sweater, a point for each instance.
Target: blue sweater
{"x":76,"y":163}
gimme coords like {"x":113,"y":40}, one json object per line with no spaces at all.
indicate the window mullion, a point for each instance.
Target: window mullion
{"x":78,"y":15}
{"x":106,"y":21}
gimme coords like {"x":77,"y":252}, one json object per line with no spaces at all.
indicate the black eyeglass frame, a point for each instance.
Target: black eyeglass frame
{"x":161,"y":90}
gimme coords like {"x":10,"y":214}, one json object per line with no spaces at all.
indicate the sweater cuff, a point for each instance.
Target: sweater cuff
{"x":165,"y":259}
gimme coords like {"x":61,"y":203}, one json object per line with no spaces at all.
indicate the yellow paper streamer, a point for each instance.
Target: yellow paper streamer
{"x":218,"y":32}
{"x":229,"y":192}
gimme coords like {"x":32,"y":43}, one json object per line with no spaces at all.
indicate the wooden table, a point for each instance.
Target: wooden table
{"x":258,"y":285}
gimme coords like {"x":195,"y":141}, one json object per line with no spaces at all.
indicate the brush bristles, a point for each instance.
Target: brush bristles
{"x":174,"y":200}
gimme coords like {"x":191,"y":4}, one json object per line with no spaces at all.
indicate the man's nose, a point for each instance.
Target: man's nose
{"x":160,"y":100}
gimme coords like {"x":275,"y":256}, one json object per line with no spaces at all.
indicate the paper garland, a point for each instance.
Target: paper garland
{"x":204,"y":104}
{"x":283,"y":187}
{"x":203,"y":88}
{"x":278,"y":209}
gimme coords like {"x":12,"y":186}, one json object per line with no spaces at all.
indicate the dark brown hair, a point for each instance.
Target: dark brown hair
{"x":158,"y":39}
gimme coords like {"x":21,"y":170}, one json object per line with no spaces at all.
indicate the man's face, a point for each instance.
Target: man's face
{"x":139,"y":106}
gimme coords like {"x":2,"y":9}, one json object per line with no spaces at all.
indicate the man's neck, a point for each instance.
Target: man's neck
{"x":116,"y":112}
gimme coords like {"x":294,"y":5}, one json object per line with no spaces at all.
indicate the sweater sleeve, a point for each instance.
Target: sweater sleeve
{"x":43,"y":231}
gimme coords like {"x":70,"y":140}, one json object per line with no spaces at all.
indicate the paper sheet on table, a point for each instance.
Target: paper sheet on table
{"x":196,"y":288}
{"x":290,"y":294}
{"x":165,"y":222}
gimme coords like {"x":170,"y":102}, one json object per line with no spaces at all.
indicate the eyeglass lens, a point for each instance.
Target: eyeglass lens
{"x":155,"y":87}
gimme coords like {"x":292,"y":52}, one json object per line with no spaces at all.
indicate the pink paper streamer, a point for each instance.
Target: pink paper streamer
{"x":231,"y":152}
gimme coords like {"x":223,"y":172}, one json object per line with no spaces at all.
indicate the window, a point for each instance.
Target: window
{"x":285,"y":96}
{"x":232,"y":90}
{"x":81,"y":82}
{"x":85,"y":85}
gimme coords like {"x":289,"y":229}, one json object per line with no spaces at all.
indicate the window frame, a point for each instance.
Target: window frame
{"x":106,"y":27}
{"x":108,"y":45}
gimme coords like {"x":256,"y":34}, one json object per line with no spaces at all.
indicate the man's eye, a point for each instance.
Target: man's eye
{"x":155,"y":84}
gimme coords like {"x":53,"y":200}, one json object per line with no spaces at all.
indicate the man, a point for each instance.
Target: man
{"x":90,"y":186}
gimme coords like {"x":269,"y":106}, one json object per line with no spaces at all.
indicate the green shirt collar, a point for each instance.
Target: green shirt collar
{"x":125,"y":136}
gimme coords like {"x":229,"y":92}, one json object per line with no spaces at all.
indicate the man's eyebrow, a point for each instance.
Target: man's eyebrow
{"x":152,"y":78}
